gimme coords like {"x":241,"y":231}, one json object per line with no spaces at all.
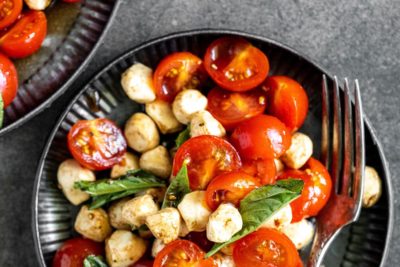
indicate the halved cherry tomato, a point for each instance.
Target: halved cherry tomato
{"x":235,"y":64}
{"x":26,"y":36}
{"x":265,"y":248}
{"x":263,"y":169}
{"x":96,"y":144}
{"x":206,"y":157}
{"x":200,"y":239}
{"x":287,"y":100}
{"x":261,"y":137}
{"x":230,"y":188}
{"x":182,"y":253}
{"x":75,"y":250}
{"x":143,"y":263}
{"x":231,"y":108}
{"x":9,"y":12}
{"x":176,"y":72}
{"x":8,"y":80}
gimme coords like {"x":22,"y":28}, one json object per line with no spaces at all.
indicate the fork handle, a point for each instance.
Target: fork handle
{"x":320,"y":246}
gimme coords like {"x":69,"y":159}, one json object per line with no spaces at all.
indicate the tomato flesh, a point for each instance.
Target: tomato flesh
{"x":9,"y":12}
{"x":263,"y":169}
{"x":236,"y":65}
{"x":206,"y":157}
{"x":8,"y":80}
{"x":96,"y":144}
{"x":231,"y":108}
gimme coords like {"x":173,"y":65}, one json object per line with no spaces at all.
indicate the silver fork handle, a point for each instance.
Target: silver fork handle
{"x":320,"y":247}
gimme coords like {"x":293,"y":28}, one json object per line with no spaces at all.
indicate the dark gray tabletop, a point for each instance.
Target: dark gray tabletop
{"x":357,"y":39}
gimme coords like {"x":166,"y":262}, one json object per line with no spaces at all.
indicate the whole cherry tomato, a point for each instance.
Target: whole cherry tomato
{"x":263,"y":169}
{"x":206,"y":157}
{"x":229,"y":187}
{"x":75,"y":250}
{"x":261,"y":137}
{"x":96,"y":144}
{"x":287,"y":100}
{"x":176,"y":72}
{"x":8,"y":80}
{"x":231,"y":108}
{"x":9,"y":12}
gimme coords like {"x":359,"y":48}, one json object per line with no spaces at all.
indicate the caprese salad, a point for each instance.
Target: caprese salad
{"x":236,"y":188}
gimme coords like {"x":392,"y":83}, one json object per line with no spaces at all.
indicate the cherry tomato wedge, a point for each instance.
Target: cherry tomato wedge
{"x":73,"y":252}
{"x":229,"y":188}
{"x":176,"y":72}
{"x":182,"y":253}
{"x":8,"y":80}
{"x":261,"y":137}
{"x":9,"y":12}
{"x":206,"y":157}
{"x":231,"y":108}
{"x":235,"y":64}
{"x":143,"y":263}
{"x":263,"y":169}
{"x":26,"y":36}
{"x":287,"y":100}
{"x":96,"y":144}
{"x":265,"y":248}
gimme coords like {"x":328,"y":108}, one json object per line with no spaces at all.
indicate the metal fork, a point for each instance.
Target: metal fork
{"x":344,"y":156}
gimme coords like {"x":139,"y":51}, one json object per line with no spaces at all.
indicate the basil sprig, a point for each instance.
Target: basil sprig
{"x":94,"y":261}
{"x":182,"y":137}
{"x":177,"y":189}
{"x":261,"y":204}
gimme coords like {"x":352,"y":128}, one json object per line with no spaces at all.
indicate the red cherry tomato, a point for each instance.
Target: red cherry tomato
{"x":287,"y":101}
{"x":263,"y":169}
{"x":234,"y":64}
{"x":229,"y":188}
{"x":143,"y":263}
{"x":26,"y":36}
{"x":9,"y":12}
{"x":265,"y":248}
{"x":177,"y":72}
{"x":261,"y":137}
{"x":182,"y":253}
{"x":206,"y":156}
{"x":8,"y":80}
{"x":200,"y":239}
{"x":231,"y":108}
{"x":75,"y":250}
{"x":96,"y":144}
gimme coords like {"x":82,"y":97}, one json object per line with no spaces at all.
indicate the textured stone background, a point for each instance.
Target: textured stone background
{"x":349,"y":38}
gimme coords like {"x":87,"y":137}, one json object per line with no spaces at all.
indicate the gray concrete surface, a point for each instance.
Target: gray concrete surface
{"x":349,"y":38}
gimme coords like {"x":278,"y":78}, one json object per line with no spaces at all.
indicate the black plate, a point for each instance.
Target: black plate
{"x":74,"y":33}
{"x":362,"y":244}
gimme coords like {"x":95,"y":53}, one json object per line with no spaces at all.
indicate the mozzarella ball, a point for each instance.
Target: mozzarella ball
{"x":157,"y":193}
{"x":158,"y":245}
{"x":157,"y":161}
{"x":194,"y":211}
{"x":203,"y":123}
{"x":123,"y":248}
{"x":187,"y":103}
{"x":165,"y":224}
{"x":93,"y":224}
{"x":129,"y":162}
{"x":279,"y":166}
{"x":137,"y":82}
{"x":141,"y":133}
{"x":372,"y":187}
{"x":300,"y":150}
{"x":223,"y":260}
{"x":70,"y":172}
{"x":135,"y":211}
{"x":37,"y":4}
{"x":301,"y":233}
{"x":183,"y":230}
{"x":161,"y":112}
{"x":115,"y":214}
{"x":223,"y":223}
{"x":280,"y":219}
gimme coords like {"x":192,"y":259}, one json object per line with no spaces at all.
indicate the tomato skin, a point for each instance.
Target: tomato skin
{"x":96,"y":144}
{"x":263,"y":169}
{"x":230,"y":187}
{"x":26,"y":36}
{"x":287,"y":100}
{"x":8,"y":80}
{"x":176,"y":72}
{"x":261,"y":137}
{"x":265,"y":247}
{"x":231,"y":108}
{"x":75,"y":250}
{"x":206,"y":157}
{"x":12,"y":16}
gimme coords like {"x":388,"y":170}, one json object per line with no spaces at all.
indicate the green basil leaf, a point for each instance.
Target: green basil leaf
{"x":177,"y":189}
{"x":183,"y":137}
{"x":94,"y":261}
{"x":99,"y":201}
{"x":260,"y":204}
{"x":1,"y":111}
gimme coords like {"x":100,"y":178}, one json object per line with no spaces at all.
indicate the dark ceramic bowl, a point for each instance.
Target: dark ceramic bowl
{"x":74,"y":33}
{"x":362,"y":244}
